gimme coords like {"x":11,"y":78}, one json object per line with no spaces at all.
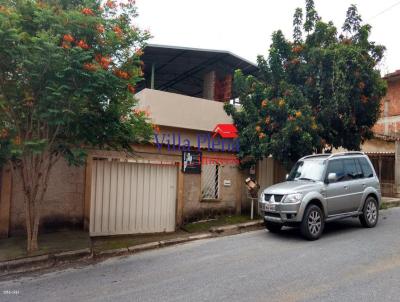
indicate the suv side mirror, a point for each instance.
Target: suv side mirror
{"x":332,"y":177}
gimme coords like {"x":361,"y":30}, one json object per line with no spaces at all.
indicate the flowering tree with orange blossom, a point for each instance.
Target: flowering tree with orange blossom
{"x":68,"y":71}
{"x":320,"y":91}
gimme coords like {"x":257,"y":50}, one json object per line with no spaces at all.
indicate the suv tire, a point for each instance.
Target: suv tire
{"x":369,"y":217}
{"x":273,"y":227}
{"x":313,"y":223}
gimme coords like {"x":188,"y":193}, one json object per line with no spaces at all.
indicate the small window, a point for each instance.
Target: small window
{"x":210,"y":174}
{"x":366,"y":167}
{"x":351,"y":169}
{"x":336,"y":166}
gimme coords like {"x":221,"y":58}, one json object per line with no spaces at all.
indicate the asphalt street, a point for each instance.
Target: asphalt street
{"x":349,"y":263}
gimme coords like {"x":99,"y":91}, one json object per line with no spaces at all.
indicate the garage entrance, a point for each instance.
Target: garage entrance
{"x":132,"y":197}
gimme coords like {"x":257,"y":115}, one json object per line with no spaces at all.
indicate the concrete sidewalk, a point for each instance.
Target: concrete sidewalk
{"x":390,"y":202}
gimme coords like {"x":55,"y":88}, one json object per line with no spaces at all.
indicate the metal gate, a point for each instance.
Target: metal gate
{"x":385,"y":164}
{"x":132,"y":198}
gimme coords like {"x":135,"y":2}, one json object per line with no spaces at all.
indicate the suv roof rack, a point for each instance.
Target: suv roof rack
{"x":347,"y":153}
{"x":330,"y":155}
{"x":314,"y":155}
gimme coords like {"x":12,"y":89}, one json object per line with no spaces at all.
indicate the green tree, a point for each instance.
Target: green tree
{"x":67,"y":75}
{"x":312,"y":95}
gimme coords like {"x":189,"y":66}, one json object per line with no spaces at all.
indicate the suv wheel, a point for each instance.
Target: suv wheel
{"x":370,"y":215}
{"x":313,"y":223}
{"x":273,"y":227}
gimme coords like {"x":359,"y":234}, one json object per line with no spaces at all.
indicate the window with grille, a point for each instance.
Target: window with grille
{"x":210,"y":181}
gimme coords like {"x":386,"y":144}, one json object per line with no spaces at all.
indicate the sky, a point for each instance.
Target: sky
{"x":245,"y":27}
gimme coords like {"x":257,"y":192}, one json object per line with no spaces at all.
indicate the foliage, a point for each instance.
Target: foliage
{"x":67,"y":70}
{"x":313,"y":94}
{"x":67,"y":75}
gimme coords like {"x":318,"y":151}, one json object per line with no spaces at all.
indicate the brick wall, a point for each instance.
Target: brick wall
{"x":389,"y":122}
{"x":393,"y":96}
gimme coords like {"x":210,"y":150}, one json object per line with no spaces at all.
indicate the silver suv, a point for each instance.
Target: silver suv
{"x":322,"y":188}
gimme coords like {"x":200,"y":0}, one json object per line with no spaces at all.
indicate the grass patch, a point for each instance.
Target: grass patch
{"x":388,"y":205}
{"x":384,"y":206}
{"x":197,"y":227}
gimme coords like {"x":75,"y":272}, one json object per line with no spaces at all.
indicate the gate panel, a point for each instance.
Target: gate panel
{"x":132,"y":198}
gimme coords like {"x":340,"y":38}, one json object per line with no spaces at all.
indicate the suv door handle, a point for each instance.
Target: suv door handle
{"x":364,"y":185}
{"x":346,"y":187}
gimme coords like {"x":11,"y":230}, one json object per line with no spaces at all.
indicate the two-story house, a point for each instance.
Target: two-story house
{"x":188,"y":171}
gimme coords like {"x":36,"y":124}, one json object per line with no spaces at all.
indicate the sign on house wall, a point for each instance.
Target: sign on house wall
{"x":191,"y":162}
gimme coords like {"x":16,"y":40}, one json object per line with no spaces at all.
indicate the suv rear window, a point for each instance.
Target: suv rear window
{"x":366,"y":167}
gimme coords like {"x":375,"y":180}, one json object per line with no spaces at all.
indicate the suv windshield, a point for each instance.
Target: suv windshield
{"x":307,"y":170}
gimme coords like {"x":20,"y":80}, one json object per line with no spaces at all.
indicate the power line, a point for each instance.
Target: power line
{"x":384,"y":11}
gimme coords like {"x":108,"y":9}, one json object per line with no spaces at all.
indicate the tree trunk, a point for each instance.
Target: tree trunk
{"x":34,"y":172}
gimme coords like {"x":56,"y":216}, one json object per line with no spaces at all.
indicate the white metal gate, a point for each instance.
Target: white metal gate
{"x":131,"y":198}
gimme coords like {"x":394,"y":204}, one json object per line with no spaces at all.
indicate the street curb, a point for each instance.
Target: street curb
{"x":155,"y":244}
{"x":235,"y":227}
{"x":223,"y":229}
{"x":69,"y":255}
{"x":114,"y":252}
{"x":251,"y":224}
{"x":25,"y":264}
{"x":174,"y":241}
{"x":35,"y":263}
{"x":391,"y":203}
{"x":201,"y":236}
{"x":144,"y":247}
{"x":23,"y":261}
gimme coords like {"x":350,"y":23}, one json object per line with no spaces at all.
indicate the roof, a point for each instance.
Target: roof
{"x":181,"y":69}
{"x":387,"y":137}
{"x":393,"y":75}
{"x":380,"y":153}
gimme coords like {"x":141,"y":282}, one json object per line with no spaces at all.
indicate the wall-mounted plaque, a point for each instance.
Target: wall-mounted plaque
{"x":191,"y":162}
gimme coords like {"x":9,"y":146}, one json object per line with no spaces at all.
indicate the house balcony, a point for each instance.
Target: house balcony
{"x":183,"y":112}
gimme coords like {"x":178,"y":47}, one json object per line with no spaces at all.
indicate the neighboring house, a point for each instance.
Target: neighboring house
{"x":382,"y":148}
{"x":389,"y":122}
{"x":188,"y":171}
